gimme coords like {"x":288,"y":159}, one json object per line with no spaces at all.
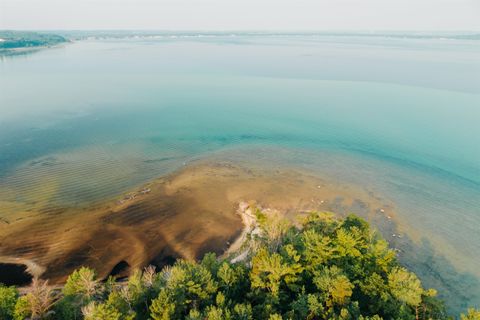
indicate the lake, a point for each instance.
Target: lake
{"x":397,"y":116}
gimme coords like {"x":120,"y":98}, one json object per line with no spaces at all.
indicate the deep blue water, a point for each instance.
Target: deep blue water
{"x":397,"y":115}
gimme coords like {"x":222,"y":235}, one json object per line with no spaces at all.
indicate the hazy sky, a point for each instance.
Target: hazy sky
{"x":241,"y":14}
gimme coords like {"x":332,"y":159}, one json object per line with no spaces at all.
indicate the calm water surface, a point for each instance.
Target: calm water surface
{"x":398,"y":116}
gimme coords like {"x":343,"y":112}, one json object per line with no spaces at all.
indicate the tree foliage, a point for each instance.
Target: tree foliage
{"x":472,"y":314}
{"x":8,"y":299}
{"x":326,"y":268}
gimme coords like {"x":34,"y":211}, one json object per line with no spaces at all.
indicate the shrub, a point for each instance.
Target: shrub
{"x":83,"y":283}
{"x":8,"y":299}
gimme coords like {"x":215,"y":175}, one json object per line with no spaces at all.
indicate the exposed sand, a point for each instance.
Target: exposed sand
{"x":184,"y":214}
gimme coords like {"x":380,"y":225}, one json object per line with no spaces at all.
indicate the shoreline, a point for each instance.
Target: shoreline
{"x":195,"y":210}
{"x":183,"y":214}
{"x":5,"y":52}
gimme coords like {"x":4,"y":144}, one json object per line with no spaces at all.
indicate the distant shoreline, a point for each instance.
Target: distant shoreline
{"x":23,"y":42}
{"x":27,"y":50}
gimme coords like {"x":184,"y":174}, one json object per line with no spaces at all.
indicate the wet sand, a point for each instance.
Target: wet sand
{"x":184,"y":214}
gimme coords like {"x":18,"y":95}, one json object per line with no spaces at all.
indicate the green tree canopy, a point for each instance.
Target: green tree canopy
{"x":325,"y":268}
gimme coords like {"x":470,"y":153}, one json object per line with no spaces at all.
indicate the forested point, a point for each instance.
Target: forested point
{"x":26,"y":39}
{"x":321,"y":268}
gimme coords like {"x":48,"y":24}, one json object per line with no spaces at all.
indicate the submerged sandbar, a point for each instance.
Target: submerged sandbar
{"x":184,"y":214}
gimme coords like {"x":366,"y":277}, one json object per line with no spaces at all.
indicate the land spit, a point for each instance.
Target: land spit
{"x":182,"y":215}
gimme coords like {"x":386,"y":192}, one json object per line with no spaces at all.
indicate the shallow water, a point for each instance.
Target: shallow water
{"x":397,"y":116}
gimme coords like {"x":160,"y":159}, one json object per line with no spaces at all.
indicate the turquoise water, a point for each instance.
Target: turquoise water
{"x":399,"y":116}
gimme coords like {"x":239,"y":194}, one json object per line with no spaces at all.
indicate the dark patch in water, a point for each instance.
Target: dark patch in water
{"x":138,"y":213}
{"x":14,"y":274}
{"x":217,"y":245}
{"x":25,"y":249}
{"x":52,"y":211}
{"x":166,"y":257}
{"x":46,"y":162}
{"x":163,"y":261}
{"x":359,"y":207}
{"x":159,"y":159}
{"x":120,"y":270}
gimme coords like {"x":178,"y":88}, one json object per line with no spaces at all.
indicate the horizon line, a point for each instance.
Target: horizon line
{"x":246,"y":30}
